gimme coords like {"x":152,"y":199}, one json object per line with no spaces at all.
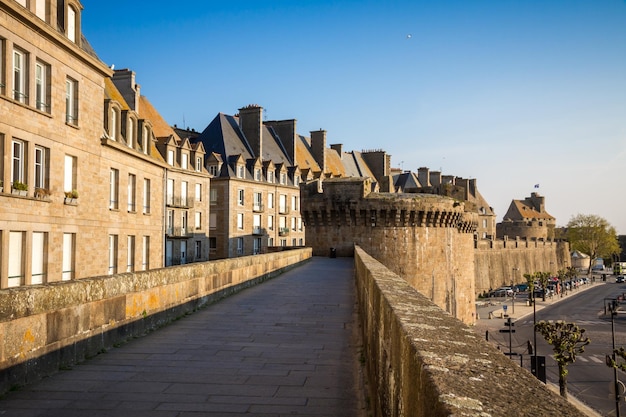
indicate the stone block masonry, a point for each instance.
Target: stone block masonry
{"x":47,"y":327}
{"x":421,"y":362}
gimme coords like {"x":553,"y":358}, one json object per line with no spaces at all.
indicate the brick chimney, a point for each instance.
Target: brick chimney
{"x":318,"y":148}
{"x":338,"y":147}
{"x":124,"y":80}
{"x":251,"y":124}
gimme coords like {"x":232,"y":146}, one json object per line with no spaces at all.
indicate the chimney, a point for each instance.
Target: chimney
{"x":124,"y":80}
{"x":286,"y":132}
{"x":423,"y":177}
{"x":435,"y":178}
{"x":318,"y":148}
{"x":339,"y":148}
{"x":538,"y":202}
{"x":251,"y":124}
{"x":378,"y":162}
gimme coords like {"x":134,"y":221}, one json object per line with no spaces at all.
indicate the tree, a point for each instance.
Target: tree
{"x":593,"y":236}
{"x":530,"y":280}
{"x":567,"y":340}
{"x":543,"y":278}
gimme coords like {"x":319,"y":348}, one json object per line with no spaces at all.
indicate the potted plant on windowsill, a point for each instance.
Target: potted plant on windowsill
{"x":71,"y":197}
{"x":19,"y":188}
{"x":42,"y":193}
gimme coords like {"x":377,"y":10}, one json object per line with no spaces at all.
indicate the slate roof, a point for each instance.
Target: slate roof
{"x":406,"y":182}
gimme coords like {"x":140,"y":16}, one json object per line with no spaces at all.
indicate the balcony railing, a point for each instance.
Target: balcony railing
{"x":178,"y":201}
{"x":258,"y":207}
{"x":257,"y":230}
{"x":179,"y":231}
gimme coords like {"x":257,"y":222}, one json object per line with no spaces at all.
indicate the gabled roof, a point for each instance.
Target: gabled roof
{"x":224,"y":137}
{"x":304,"y":158}
{"x":406,"y":182}
{"x":522,"y":210}
{"x":112,"y":93}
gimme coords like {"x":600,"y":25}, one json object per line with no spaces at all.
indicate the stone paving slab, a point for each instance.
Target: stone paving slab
{"x":286,"y":347}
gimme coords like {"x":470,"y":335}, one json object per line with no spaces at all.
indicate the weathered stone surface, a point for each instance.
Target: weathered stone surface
{"x":421,"y":362}
{"x":62,"y":323}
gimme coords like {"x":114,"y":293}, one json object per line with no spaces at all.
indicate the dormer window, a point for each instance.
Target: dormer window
{"x":283,"y":178}
{"x":130,"y":136}
{"x":257,"y":174}
{"x":184,"y":161}
{"x":71,"y":24}
{"x":240,"y":171}
{"x":170,"y":157}
{"x":198,"y":164}
{"x":113,"y":125}
{"x":296,"y":180}
{"x":213,"y":170}
{"x":270,"y":176}
{"x":145,"y":139}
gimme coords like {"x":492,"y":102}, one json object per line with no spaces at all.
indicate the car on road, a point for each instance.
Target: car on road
{"x":501,"y":292}
{"x":521,"y":287}
{"x":620,"y":279}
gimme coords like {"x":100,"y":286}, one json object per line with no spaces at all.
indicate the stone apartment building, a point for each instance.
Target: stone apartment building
{"x":55,"y":139}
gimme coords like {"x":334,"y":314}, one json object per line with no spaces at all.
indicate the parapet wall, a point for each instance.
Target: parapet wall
{"x":47,"y":327}
{"x":421,"y":362}
{"x":504,"y":262}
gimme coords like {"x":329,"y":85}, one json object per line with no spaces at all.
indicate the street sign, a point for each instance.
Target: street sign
{"x":504,"y":307}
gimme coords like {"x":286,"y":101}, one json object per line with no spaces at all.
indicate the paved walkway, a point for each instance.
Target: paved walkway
{"x":285,"y":347}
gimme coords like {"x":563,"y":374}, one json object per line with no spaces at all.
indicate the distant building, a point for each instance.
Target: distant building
{"x":528,"y":219}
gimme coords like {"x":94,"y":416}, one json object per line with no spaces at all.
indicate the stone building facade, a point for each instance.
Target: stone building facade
{"x":527,"y":219}
{"x":426,"y":239}
{"x":54,"y":140}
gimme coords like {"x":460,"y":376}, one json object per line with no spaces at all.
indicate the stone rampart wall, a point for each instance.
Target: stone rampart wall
{"x":46,"y":327}
{"x":504,"y":262}
{"x":421,"y":362}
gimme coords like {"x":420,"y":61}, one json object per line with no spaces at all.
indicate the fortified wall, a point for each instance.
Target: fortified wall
{"x":504,"y":262}
{"x":426,"y":239}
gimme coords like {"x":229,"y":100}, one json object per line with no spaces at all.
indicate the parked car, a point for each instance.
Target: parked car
{"x":521,"y":287}
{"x":501,"y":292}
{"x":620,"y":279}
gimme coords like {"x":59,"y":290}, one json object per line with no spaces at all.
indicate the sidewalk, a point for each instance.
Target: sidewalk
{"x":288,"y":346}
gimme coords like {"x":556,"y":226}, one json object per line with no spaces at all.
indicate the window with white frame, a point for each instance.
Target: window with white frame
{"x":198,"y":191}
{"x":257,"y":174}
{"x":256,"y":249}
{"x":213,"y":196}
{"x":240,"y":171}
{"x":184,"y":188}
{"x":69,"y":174}
{"x":170,"y":222}
{"x":301,"y":242}
{"x":169,"y":195}
{"x":112,"y":254}
{"x":293,"y":223}
{"x":257,"y":201}
{"x":283,"y":242}
{"x":132,"y":184}
{"x":38,"y":260}
{"x":300,"y":223}
{"x":270,"y":222}
{"x":239,"y":246}
{"x":67,"y":272}
{"x":283,"y":178}
{"x":198,"y":254}
{"x":41,"y":167}
{"x":170,"y":157}
{"x":20,"y":76}
{"x":213,"y":170}
{"x":184,"y":161}
{"x":198,"y":164}
{"x":270,"y":241}
{"x":294,"y":202}
{"x":21,"y":2}
{"x":184,"y":222}
{"x":145,"y":253}
{"x":240,"y":221}
{"x":198,"y":220}
{"x":282,"y":223}
{"x":40,"y":9}
{"x":113,"y":125}
{"x":114,"y":177}
{"x":130,"y":133}
{"x":71,"y":101}
{"x":16,"y":259}
{"x":71,"y":24}
{"x":270,"y":176}
{"x":146,"y":196}
{"x":42,"y":86}
{"x":17,"y":159}
{"x":240,"y":197}
{"x":130,"y":253}
{"x":270,"y":200}
{"x":282,"y":203}
{"x":256,"y":224}
{"x":145,"y":142}
{"x":296,"y":180}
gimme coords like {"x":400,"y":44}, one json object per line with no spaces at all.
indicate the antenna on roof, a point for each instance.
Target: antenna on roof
{"x":184,"y":124}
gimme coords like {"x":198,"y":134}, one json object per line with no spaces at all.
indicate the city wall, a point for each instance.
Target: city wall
{"x":426,"y":239}
{"x":504,"y":262}
{"x":421,"y":362}
{"x":47,"y":327}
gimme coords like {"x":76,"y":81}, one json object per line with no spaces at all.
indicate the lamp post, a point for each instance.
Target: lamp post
{"x":613,"y":311}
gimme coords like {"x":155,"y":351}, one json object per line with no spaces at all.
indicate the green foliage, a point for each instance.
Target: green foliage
{"x":20,"y":186}
{"x":593,"y":236}
{"x":567,"y":340}
{"x":620,"y":353}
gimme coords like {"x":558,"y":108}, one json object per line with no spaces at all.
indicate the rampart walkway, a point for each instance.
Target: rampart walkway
{"x":288,"y":346}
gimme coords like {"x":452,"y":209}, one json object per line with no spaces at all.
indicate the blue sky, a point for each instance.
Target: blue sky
{"x":511,"y":92}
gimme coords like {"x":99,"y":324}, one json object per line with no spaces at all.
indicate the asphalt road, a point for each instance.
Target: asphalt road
{"x":589,"y":378}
